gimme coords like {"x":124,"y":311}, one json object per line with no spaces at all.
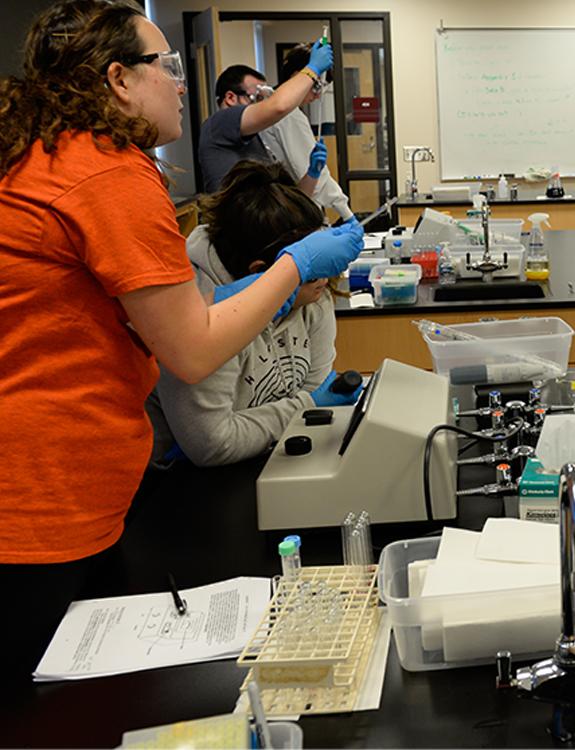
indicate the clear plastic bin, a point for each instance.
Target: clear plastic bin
{"x":395,"y":284}
{"x":455,"y":191}
{"x":286,"y":734}
{"x":549,"y":338}
{"x":360,"y":269}
{"x":442,"y":632}
{"x":501,"y":231}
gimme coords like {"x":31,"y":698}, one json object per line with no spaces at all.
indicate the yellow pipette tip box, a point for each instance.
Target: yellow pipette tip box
{"x":225,"y":731}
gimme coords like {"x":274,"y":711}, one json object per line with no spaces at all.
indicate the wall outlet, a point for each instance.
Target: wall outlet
{"x":420,"y":156}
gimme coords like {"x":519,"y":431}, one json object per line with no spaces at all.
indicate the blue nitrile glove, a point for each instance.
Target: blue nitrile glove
{"x":325,"y":253}
{"x":320,"y":58}
{"x":353,"y":221}
{"x":322,"y":396}
{"x":235,"y":287}
{"x":317,"y":159}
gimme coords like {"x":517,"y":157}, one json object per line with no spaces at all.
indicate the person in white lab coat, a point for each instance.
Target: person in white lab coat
{"x":291,"y":139}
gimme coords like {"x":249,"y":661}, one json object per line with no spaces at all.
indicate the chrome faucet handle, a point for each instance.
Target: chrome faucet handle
{"x":553,"y":680}
{"x":495,"y":399}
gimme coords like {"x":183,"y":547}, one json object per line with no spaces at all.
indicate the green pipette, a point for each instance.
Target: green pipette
{"x":324,"y":41}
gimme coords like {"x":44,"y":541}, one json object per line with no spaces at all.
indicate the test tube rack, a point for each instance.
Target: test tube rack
{"x":307,"y":665}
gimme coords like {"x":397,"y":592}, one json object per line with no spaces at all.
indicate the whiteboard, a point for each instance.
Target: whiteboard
{"x":506,"y":101}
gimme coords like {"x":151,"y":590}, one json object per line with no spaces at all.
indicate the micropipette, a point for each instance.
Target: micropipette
{"x":384,"y":207}
{"x":546,"y":368}
{"x":322,"y":79}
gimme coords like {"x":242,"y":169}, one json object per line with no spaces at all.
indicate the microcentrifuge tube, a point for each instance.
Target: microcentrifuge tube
{"x":296,"y":539}
{"x":290,"y":568}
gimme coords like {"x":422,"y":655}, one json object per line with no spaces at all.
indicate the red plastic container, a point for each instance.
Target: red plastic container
{"x":428,"y":262}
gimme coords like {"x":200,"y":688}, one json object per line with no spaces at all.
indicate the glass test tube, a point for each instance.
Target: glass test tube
{"x":346,"y":529}
{"x":366,"y":537}
{"x":356,"y":552}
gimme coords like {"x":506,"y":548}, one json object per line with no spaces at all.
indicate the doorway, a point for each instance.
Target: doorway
{"x":357,"y":110}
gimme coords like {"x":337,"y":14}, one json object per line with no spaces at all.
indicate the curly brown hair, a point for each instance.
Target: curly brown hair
{"x":67,"y":52}
{"x":257,"y":211}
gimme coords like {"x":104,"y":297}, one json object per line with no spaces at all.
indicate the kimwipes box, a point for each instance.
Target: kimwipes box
{"x":538,"y":494}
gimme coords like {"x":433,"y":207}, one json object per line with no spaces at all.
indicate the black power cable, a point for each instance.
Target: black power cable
{"x":459,"y":431}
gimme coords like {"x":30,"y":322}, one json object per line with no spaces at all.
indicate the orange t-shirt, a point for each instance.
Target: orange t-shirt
{"x":77,"y":228}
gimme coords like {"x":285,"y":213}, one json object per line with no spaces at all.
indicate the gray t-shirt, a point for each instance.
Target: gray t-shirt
{"x":222,"y":145}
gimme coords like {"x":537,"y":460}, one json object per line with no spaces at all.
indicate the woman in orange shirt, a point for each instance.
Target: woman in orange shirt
{"x":94,"y":286}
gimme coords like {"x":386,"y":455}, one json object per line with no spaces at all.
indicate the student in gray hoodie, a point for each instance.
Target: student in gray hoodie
{"x":243,"y":408}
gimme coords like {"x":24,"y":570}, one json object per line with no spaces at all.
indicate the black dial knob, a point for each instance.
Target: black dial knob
{"x":297,"y":445}
{"x":346,"y":382}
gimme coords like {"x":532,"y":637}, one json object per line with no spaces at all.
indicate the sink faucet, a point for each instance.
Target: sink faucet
{"x":553,"y":680}
{"x":413,"y":185}
{"x":487,"y":265}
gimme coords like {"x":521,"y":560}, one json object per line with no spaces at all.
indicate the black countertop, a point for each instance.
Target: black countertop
{"x":560,"y":245}
{"x":202,"y":525}
{"x":526,"y":194}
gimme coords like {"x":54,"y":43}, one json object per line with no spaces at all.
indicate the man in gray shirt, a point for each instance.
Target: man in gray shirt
{"x":231,"y":133}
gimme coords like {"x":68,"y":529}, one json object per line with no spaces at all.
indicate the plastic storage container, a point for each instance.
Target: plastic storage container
{"x":501,"y":231}
{"x":396,"y":284}
{"x":428,"y":262}
{"x":455,"y":191}
{"x":441,"y":632}
{"x":360,"y":269}
{"x":286,"y":734}
{"x":549,"y":338}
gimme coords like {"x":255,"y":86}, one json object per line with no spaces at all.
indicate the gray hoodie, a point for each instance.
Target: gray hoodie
{"x":242,"y":408}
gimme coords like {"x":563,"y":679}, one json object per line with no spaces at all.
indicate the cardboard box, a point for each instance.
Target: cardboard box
{"x":538,"y":494}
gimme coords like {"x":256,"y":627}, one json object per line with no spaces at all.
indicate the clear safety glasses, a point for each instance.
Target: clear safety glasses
{"x":261,"y":92}
{"x":171,"y":63}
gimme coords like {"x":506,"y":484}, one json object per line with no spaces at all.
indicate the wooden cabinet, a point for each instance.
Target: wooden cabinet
{"x":363,"y":341}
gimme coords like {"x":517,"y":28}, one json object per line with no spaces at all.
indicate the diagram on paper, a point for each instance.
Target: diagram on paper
{"x":163,"y":626}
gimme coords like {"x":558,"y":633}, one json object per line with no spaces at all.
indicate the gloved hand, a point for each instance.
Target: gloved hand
{"x":320,"y":58}
{"x":353,"y":221}
{"x":235,"y":287}
{"x":325,"y":253}
{"x":317,"y":159}
{"x":322,"y":396}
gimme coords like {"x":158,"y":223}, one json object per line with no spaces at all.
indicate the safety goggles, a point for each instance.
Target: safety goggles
{"x":170,"y":62}
{"x":262,"y":91}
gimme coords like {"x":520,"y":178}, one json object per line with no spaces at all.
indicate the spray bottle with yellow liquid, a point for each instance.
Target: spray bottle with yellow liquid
{"x":537,"y":264}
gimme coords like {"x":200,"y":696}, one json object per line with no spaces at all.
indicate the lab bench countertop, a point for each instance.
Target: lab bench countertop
{"x":525,"y":194}
{"x":209,"y":534}
{"x":559,"y":289}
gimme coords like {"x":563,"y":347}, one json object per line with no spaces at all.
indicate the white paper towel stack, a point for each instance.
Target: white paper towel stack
{"x":556,"y":444}
{"x":494,"y":590}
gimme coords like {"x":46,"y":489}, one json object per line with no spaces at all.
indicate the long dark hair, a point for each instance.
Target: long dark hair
{"x":67,"y":52}
{"x":257,"y":211}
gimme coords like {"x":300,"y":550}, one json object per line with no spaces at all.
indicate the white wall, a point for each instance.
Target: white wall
{"x":237,"y":44}
{"x":413,"y":24}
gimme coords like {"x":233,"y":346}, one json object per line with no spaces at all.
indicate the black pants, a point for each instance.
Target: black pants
{"x":36,"y":597}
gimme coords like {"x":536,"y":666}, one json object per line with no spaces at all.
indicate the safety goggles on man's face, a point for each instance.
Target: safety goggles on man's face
{"x":261,"y":92}
{"x":170,"y":62}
